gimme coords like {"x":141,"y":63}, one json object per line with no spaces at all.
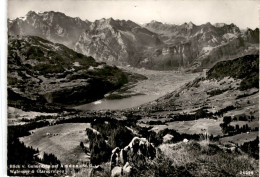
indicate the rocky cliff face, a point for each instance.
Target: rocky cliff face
{"x":117,"y":41}
{"x":164,"y":46}
{"x":173,"y":34}
{"x":251,"y":35}
{"x":54,"y":26}
{"x":51,"y":73}
{"x":154,"y":45}
{"x":201,"y":46}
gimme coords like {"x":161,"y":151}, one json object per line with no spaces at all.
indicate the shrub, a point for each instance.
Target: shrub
{"x":216,"y":92}
{"x":252,"y":148}
{"x":100,"y":151}
{"x":120,"y":137}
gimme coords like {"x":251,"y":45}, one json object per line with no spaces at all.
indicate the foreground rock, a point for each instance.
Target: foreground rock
{"x":123,"y":160}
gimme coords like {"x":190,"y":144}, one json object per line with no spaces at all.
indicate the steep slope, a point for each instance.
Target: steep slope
{"x":45,"y":72}
{"x":117,"y":41}
{"x":251,"y":35}
{"x":54,"y":26}
{"x":229,"y":84}
{"x":245,"y":68}
{"x":203,"y":45}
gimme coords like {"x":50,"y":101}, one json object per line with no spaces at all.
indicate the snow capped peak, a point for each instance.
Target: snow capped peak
{"x":190,"y":25}
{"x":208,"y":24}
{"x":219,"y":25}
{"x":154,"y":21}
{"x":104,"y":20}
{"x":87,"y":21}
{"x":22,"y":18}
{"x":10,"y":19}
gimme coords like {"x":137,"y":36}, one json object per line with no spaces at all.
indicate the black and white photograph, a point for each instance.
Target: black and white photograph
{"x":131,"y":88}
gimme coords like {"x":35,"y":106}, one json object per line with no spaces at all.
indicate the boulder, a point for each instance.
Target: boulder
{"x":185,"y":140}
{"x":117,"y":171}
{"x":123,"y":156}
{"x":141,"y":146}
{"x":127,"y":169}
{"x":114,"y":160}
{"x":167,"y":138}
{"x":232,"y":149}
{"x":138,"y":148}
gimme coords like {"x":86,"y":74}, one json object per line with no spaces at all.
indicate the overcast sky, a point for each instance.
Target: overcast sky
{"x":243,"y":13}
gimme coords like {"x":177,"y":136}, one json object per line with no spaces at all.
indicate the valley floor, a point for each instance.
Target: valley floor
{"x":160,"y":82}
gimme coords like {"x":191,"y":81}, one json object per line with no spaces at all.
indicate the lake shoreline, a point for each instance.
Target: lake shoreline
{"x":142,"y":91}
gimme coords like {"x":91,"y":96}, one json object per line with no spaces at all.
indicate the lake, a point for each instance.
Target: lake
{"x":157,"y":84}
{"x":118,"y":103}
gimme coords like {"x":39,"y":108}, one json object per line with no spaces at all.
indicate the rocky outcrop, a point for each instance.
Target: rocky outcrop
{"x":116,"y":41}
{"x":116,"y":172}
{"x":193,"y":46}
{"x":168,"y":138}
{"x":251,"y":35}
{"x":164,"y":46}
{"x":123,"y":160}
{"x":126,"y":170}
{"x":54,"y":26}
{"x":173,"y":34}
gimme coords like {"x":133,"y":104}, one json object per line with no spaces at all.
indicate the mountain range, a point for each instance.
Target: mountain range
{"x":154,"y":45}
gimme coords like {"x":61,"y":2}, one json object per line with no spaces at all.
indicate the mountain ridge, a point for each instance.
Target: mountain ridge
{"x":54,"y":26}
{"x":153,"y":45}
